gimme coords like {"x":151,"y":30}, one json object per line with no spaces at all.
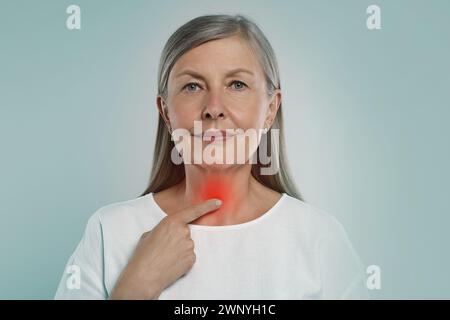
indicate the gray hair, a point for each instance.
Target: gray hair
{"x":165,"y":173}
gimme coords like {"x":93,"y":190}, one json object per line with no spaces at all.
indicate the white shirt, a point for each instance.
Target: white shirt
{"x":293,"y":251}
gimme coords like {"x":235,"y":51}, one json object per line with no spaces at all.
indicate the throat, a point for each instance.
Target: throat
{"x":222,"y":187}
{"x":216,"y":186}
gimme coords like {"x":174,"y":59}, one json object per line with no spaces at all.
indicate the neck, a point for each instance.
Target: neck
{"x":231,"y":185}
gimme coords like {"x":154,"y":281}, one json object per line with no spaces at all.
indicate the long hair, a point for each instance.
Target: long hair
{"x":164,"y":173}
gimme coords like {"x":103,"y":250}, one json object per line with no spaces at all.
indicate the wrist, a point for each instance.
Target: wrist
{"x":136,"y":288}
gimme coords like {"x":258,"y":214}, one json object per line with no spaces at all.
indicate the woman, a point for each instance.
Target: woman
{"x":220,"y":229}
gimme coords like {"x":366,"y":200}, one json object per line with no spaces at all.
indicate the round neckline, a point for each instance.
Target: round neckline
{"x":224,"y":227}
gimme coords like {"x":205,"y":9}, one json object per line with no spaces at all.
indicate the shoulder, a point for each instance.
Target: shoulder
{"x":117,"y":209}
{"x":316,"y":229}
{"x":340,"y":266}
{"x":311,"y":219}
{"x":122,"y":216}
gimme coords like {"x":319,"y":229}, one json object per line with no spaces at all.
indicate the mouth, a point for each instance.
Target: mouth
{"x":211,"y":135}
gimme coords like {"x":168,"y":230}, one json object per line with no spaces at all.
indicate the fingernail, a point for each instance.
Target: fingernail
{"x":218,"y":203}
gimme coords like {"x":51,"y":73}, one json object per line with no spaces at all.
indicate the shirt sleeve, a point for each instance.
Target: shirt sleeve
{"x":341,"y":269}
{"x":83,"y":275}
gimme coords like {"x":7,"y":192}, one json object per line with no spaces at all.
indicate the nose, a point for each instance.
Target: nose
{"x":214,"y":108}
{"x":212,"y":115}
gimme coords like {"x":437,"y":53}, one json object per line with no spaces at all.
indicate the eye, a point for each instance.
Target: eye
{"x":191,"y":87}
{"x":238,"y":85}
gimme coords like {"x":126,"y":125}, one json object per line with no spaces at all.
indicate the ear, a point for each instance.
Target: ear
{"x":163,"y":111}
{"x":275,"y":102}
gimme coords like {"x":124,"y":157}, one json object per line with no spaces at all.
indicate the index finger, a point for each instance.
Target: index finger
{"x":193,"y":212}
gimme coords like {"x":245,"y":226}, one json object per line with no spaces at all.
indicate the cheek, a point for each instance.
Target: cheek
{"x":183,"y":112}
{"x":249,"y":113}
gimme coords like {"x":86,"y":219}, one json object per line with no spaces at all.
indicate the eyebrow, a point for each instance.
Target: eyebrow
{"x":199,"y":76}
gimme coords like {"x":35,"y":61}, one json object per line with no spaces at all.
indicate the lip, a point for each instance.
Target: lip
{"x":214,"y":135}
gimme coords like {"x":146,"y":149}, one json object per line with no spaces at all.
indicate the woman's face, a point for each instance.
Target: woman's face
{"x":220,"y":83}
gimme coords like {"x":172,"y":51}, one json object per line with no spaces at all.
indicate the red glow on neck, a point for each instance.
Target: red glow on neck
{"x":217,"y":186}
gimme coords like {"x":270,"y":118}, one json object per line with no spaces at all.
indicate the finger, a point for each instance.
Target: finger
{"x":190,"y":214}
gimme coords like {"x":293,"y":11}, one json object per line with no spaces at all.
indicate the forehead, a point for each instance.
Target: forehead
{"x":220,"y":55}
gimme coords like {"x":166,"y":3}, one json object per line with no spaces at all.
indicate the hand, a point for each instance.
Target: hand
{"x":162,"y":255}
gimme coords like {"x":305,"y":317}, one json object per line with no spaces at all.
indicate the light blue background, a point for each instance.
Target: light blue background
{"x":366,"y":114}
